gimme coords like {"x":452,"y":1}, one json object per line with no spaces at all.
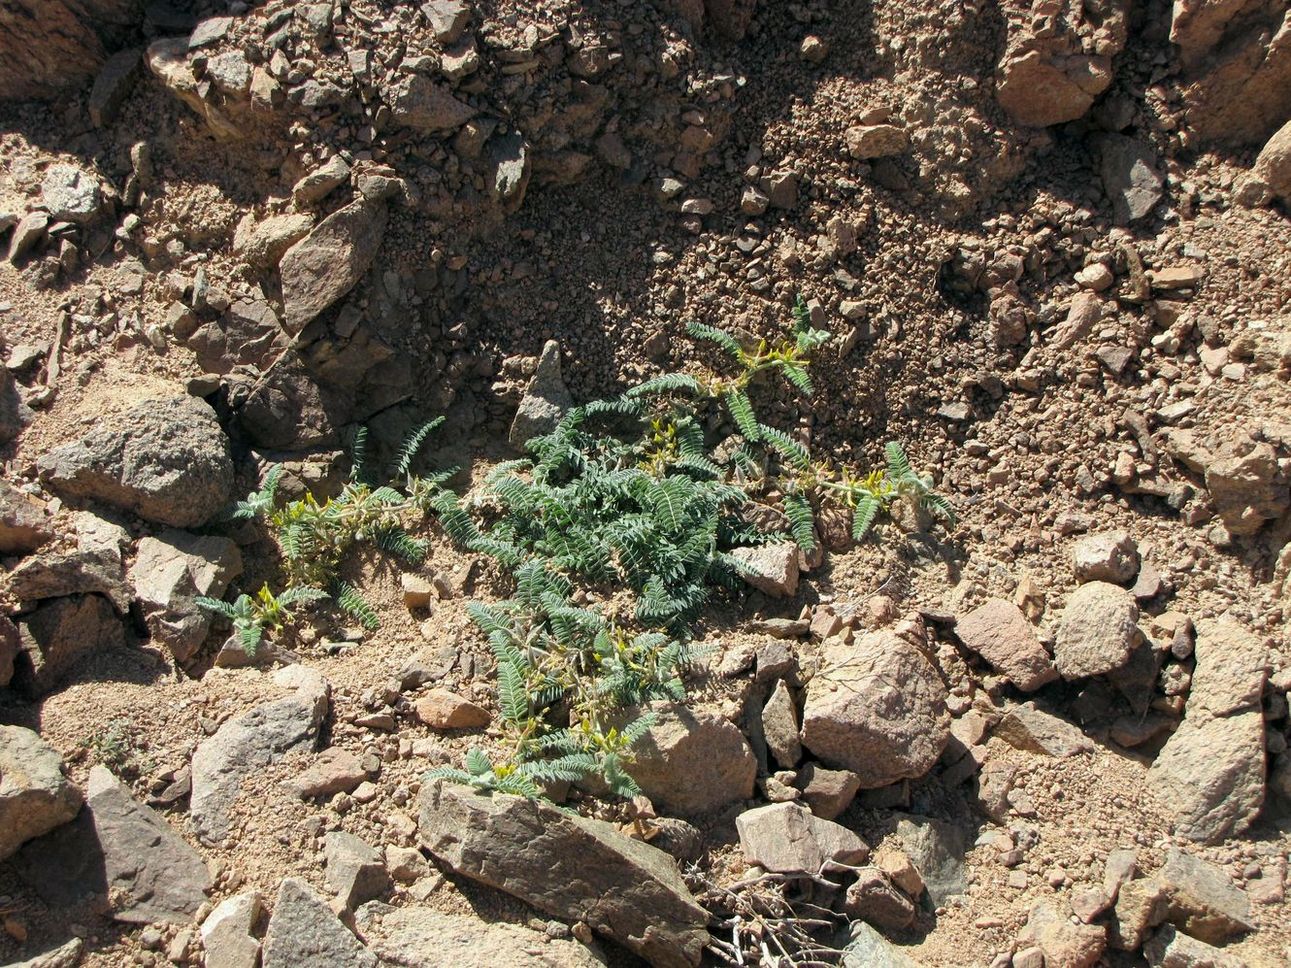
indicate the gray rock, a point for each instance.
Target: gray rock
{"x":26,"y":234}
{"x":1170,"y":948}
{"x":356,"y":872}
{"x":877,"y":708}
{"x":321,"y":182}
{"x":999,"y":632}
{"x":80,"y":572}
{"x":65,"y":956}
{"x":447,"y":18}
{"x":1037,"y":731}
{"x":166,"y":460}
{"x":936,"y":849}
{"x":567,"y":866}
{"x":692,"y":762}
{"x":70,"y":194}
{"x":209,"y":31}
{"x":780,"y":727}
{"x":1202,"y":901}
{"x":169,"y":572}
{"x":770,"y":568}
{"x":510,"y":167}
{"x":263,"y":243}
{"x":14,"y":414}
{"x":250,"y":742}
{"x":115,"y":80}
{"x":249,"y":334}
{"x":1112,"y":556}
{"x":788,"y":839}
{"x":35,"y":797}
{"x":228,"y":939}
{"x":1097,"y":631}
{"x":24,"y":523}
{"x":1130,"y":179}
{"x":419,"y":103}
{"x":866,"y":948}
{"x":1210,"y":775}
{"x":9,"y":648}
{"x":324,"y":265}
{"x":59,"y":635}
{"x":876,"y":900}
{"x":304,"y":933}
{"x":545,"y":400}
{"x":412,"y":937}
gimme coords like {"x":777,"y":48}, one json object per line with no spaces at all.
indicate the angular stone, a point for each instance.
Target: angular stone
{"x":419,"y":103}
{"x":59,"y":635}
{"x":567,"y":866}
{"x":264,"y":243}
{"x":35,"y":797}
{"x":937,"y":849}
{"x":545,"y":400}
{"x":304,"y":933}
{"x":876,"y":141}
{"x":1248,"y":489}
{"x":827,"y":792}
{"x":64,"y":956}
{"x":1170,"y":948}
{"x":1097,"y":631}
{"x":165,"y":460}
{"x":10,"y":644}
{"x":1037,"y":731}
{"x":789,"y":839}
{"x":24,"y":523}
{"x":900,"y":870}
{"x":406,"y":865}
{"x":169,"y":572}
{"x":877,"y":708}
{"x":780,"y":727}
{"x":441,"y":709}
{"x":999,"y":632}
{"x":250,"y":742}
{"x":1273,"y":166}
{"x":334,"y":770}
{"x":1202,"y":901}
{"x":867,"y":948}
{"x":113,"y":85}
{"x":80,"y":572}
{"x":70,"y":194}
{"x":1111,"y":556}
{"x":325,"y":265}
{"x":355,"y":871}
{"x":1063,"y":943}
{"x":770,"y":568}
{"x":228,"y":939}
{"x":875,"y":899}
{"x":1140,"y":906}
{"x":321,"y":182}
{"x":690,"y":763}
{"x":248,"y":335}
{"x":448,"y":18}
{"x":1130,"y":179}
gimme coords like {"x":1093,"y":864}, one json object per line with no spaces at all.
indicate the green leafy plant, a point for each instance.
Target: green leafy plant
{"x":265,"y":612}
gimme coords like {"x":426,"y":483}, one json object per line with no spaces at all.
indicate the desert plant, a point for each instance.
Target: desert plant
{"x":265,"y":612}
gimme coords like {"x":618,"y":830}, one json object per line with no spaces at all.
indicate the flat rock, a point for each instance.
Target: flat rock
{"x":413,"y":937}
{"x":441,"y":709}
{"x":878,"y":709}
{"x":1097,"y":631}
{"x":691,"y":762}
{"x":263,"y":243}
{"x":250,"y":742}
{"x":169,"y":572}
{"x":165,"y":460}
{"x":1063,"y":943}
{"x":567,"y":866}
{"x":876,"y":141}
{"x":770,"y":568}
{"x":321,"y":182}
{"x":304,"y":933}
{"x":1112,"y":556}
{"x":334,"y":770}
{"x":1171,"y":948}
{"x":324,"y":265}
{"x":1130,"y":179}
{"x":35,"y":796}
{"x":1028,"y":728}
{"x":999,"y":632}
{"x":419,"y":103}
{"x":58,"y":574}
{"x":1202,"y":901}
{"x":545,"y":400}
{"x":789,"y":839}
{"x":64,"y":956}
{"x":59,"y":635}
{"x":24,"y":522}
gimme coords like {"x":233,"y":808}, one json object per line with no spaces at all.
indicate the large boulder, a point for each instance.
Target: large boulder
{"x":1097,"y":631}
{"x":168,"y":574}
{"x":1210,"y":775}
{"x":166,"y":460}
{"x":59,"y":635}
{"x":324,"y":265}
{"x":691,"y":762}
{"x":35,"y":797}
{"x":53,"y":46}
{"x":250,"y":742}
{"x":877,"y":708}
{"x":567,"y":866}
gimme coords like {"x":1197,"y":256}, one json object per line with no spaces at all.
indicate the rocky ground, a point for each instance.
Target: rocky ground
{"x":1051,"y":240}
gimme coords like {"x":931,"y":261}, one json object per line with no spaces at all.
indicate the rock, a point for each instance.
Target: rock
{"x":324,"y":265}
{"x":412,"y":937}
{"x":419,"y":103}
{"x":781,"y":188}
{"x":1247,"y":487}
{"x":866,"y":948}
{"x":113,"y":85}
{"x":1140,"y":906}
{"x":827,"y":792}
{"x":1084,"y":313}
{"x":228,"y":938}
{"x":510,"y":168}
{"x":58,"y":636}
{"x":788,"y":839}
{"x":406,"y":864}
{"x":1029,"y":728}
{"x":545,"y":400}
{"x":1202,"y":901}
{"x":165,"y":460}
{"x":447,"y":18}
{"x":1273,"y":166}
{"x":1054,"y":65}
{"x":692,"y":762}
{"x":1097,"y":631}
{"x":169,"y":572}
{"x":865,"y":142}
{"x":999,"y":632}
{"x":1065,"y":945}
{"x":321,"y":182}
{"x":249,"y":334}
{"x":567,"y":866}
{"x":937,"y":849}
{"x":1111,"y":556}
{"x":9,"y":646}
{"x":264,"y":243}
{"x":80,"y":572}
{"x":250,"y":742}
{"x":877,"y":708}
{"x":304,"y":933}
{"x":70,"y":194}
{"x":334,"y":770}
{"x":874,"y":899}
{"x":35,"y":797}
{"x":26,"y":234}
{"x":1210,"y":775}
{"x":24,"y":522}
{"x":770,"y":568}
{"x":780,"y":727}
{"x":1169,"y":948}
{"x":355,"y":870}
{"x":1128,"y":170}
{"x":54,"y":46}
{"x":441,"y":709}
{"x":898,"y":868}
